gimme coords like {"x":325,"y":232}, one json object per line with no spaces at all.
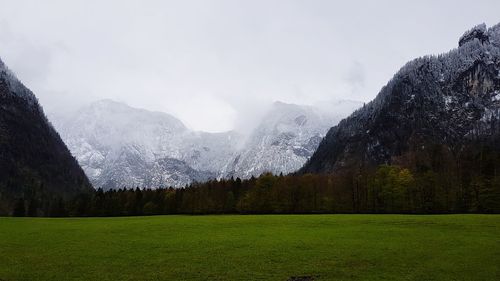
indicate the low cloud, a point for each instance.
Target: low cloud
{"x":218,"y":64}
{"x":355,"y":78}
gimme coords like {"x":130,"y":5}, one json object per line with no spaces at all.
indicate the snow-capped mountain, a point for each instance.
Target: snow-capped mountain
{"x":449,"y":100}
{"x":287,"y":136}
{"x":120,"y":146}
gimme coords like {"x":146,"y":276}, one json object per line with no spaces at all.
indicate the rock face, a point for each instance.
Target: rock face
{"x":445,"y":99}
{"x":33,"y":158}
{"x":478,"y":32}
{"x":288,"y":135}
{"x":120,"y":146}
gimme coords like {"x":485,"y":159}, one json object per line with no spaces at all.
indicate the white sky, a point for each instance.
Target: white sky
{"x":216,"y":64}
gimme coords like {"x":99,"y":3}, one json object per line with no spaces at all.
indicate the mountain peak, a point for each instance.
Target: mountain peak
{"x":448,"y":100}
{"x":108,"y":102}
{"x":281,"y":104}
{"x":479,"y":32}
{"x":122,"y":146}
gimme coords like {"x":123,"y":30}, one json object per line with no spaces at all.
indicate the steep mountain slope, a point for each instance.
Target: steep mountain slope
{"x":33,"y":159}
{"x":120,"y":146}
{"x":447,"y":99}
{"x":287,"y":136}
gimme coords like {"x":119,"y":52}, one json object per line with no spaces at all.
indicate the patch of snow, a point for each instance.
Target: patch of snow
{"x":490,"y":114}
{"x":496,"y":96}
{"x":441,"y":77}
{"x":447,"y":102}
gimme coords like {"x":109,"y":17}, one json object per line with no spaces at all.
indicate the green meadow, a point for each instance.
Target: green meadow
{"x":260,"y":247}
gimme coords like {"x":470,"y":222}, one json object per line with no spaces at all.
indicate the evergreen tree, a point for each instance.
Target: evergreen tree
{"x":19,"y":208}
{"x":32,"y":208}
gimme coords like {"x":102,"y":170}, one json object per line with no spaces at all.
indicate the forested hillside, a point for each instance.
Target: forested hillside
{"x":429,"y":181}
{"x":451,"y":100}
{"x":35,"y":165}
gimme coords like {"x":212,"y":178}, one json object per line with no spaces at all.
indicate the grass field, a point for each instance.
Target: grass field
{"x":327,"y":247}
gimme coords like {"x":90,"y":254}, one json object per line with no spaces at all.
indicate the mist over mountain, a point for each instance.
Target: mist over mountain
{"x":34,"y":161}
{"x":452,"y":100}
{"x":121,"y":146}
{"x":287,"y":136}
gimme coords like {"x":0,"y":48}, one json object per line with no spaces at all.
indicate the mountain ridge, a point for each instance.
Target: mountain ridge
{"x":439,"y":99}
{"x":34,"y":161}
{"x":106,"y":148}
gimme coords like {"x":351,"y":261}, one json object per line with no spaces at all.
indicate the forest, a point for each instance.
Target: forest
{"x":434,"y":180}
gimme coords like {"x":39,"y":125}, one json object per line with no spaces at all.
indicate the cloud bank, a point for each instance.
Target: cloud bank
{"x":217,"y":64}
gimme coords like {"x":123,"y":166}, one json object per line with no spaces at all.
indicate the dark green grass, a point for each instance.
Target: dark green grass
{"x":330,"y":247}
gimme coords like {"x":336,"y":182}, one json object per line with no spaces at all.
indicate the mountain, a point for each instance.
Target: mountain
{"x":34,"y":161}
{"x":451,"y":99}
{"x":287,"y":136}
{"x":121,"y":146}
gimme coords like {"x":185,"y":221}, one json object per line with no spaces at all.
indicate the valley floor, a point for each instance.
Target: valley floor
{"x":274,"y":247}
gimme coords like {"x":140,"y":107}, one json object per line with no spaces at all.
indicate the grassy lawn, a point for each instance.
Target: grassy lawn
{"x":329,"y":247}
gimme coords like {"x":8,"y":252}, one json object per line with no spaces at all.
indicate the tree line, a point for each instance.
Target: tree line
{"x":433,"y":180}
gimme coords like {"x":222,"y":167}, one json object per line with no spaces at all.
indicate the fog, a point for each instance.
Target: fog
{"x":217,"y":65}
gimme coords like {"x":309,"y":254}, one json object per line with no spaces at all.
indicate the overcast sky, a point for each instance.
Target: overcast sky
{"x":216,"y":64}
